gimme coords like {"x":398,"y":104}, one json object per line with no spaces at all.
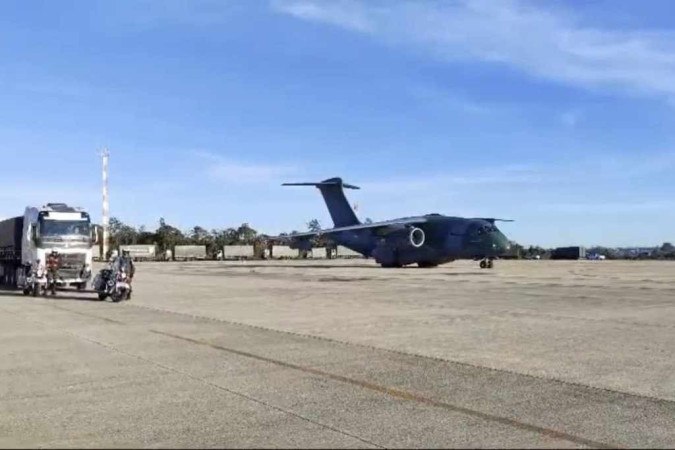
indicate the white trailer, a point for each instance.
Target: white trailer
{"x":190,"y":252}
{"x":238,"y":252}
{"x":318,"y":253}
{"x":344,"y":252}
{"x":140,"y":252}
{"x":284,"y":251}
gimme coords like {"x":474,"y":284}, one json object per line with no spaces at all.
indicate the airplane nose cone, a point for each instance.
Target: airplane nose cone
{"x":500,"y":244}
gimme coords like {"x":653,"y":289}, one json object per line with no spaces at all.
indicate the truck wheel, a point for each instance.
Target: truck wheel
{"x":102,"y":296}
{"x":26,"y":291}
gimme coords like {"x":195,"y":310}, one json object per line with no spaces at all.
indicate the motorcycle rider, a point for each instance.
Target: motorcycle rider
{"x":126,"y":262}
{"x":53,"y":264}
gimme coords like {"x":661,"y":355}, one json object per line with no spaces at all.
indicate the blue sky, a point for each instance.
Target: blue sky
{"x":557,"y":114}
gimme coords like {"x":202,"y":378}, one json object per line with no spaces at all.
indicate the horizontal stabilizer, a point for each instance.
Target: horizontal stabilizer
{"x":493,"y":220}
{"x":329,"y":182}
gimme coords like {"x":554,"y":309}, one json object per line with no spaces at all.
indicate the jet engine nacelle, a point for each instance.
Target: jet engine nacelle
{"x":417,"y":237}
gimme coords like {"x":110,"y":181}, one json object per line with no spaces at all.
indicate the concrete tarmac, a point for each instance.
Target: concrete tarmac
{"x":346,"y":354}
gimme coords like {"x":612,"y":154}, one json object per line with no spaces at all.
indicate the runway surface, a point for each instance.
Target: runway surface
{"x":346,"y":354}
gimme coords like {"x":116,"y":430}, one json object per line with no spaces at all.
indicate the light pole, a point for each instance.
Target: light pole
{"x":105,"y":155}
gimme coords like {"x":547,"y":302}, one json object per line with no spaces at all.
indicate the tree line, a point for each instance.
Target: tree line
{"x":167,"y":236}
{"x":665,"y":251}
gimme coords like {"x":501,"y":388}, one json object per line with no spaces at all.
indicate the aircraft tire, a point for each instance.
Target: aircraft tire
{"x":483,"y":264}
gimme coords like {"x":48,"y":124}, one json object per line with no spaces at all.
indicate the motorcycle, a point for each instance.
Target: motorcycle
{"x":114,"y":283}
{"x":36,"y":282}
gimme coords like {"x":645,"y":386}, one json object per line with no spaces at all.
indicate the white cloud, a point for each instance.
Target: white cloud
{"x":343,"y":13}
{"x":516,"y":174}
{"x":626,"y":207}
{"x":580,"y":186}
{"x":237,"y":172}
{"x":443,"y":99}
{"x":546,"y":44}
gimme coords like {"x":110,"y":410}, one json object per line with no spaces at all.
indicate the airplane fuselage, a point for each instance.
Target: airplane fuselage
{"x":446,"y":239}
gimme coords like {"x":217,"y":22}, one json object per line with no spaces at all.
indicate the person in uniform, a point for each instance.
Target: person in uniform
{"x":127,"y":263}
{"x":53,"y":264}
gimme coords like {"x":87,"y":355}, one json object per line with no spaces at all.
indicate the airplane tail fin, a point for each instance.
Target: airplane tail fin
{"x":333,"y":194}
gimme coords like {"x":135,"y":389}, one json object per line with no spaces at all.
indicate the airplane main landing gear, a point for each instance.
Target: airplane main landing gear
{"x":487,"y":263}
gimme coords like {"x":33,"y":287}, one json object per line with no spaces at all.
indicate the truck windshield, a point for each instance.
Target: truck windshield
{"x":54,"y":228}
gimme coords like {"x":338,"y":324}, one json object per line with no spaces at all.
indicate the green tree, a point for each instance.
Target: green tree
{"x":121,"y":233}
{"x":517,"y":250}
{"x":314,"y":226}
{"x":246,"y":235}
{"x":168,"y":236}
{"x":200,"y":236}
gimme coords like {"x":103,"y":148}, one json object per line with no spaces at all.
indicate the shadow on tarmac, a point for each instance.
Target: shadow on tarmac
{"x":85,"y":296}
{"x":326,"y":266}
{"x":305,"y":266}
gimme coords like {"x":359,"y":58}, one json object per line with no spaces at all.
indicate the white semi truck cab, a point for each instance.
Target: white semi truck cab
{"x":54,"y":227}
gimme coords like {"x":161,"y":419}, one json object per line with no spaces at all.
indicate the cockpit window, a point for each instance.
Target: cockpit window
{"x":485,"y":229}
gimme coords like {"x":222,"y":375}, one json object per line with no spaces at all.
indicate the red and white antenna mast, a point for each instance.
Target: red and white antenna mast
{"x":105,"y":156}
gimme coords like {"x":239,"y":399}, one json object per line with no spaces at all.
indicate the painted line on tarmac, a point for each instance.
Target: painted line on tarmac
{"x":400,"y":394}
{"x":408,"y":354}
{"x":371,"y":347}
{"x":112,"y":348}
{"x":94,"y":316}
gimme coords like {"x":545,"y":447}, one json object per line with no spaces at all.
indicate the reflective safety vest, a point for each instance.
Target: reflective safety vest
{"x":52,"y":262}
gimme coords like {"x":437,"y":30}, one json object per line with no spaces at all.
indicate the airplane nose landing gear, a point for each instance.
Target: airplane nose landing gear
{"x":487,"y":263}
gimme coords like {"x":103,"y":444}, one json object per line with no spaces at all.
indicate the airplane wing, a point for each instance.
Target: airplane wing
{"x":382,"y":228}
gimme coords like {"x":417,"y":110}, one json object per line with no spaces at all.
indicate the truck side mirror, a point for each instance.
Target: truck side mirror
{"x":33,"y":234}
{"x":95,"y":229}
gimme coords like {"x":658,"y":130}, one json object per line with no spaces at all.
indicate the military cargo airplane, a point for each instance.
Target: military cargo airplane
{"x":427,"y":240}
